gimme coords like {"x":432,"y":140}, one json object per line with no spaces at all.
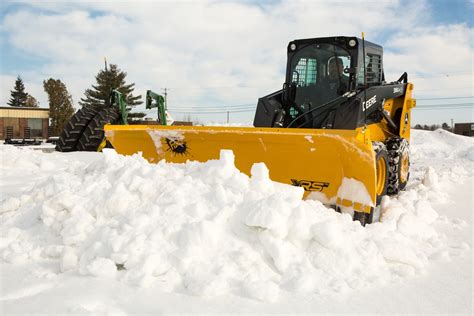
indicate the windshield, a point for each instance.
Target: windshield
{"x":318,"y":71}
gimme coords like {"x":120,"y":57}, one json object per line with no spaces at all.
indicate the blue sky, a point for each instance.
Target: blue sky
{"x":452,"y":11}
{"x":212,"y":53}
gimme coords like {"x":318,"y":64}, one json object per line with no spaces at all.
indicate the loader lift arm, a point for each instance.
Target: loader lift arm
{"x":154,"y":100}
{"x":118,"y":100}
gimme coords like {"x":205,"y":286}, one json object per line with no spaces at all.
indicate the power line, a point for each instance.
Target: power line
{"x":216,"y":107}
{"x":445,"y":104}
{"x":445,"y":108}
{"x":437,"y":89}
{"x":213,"y":109}
{"x":443,"y":73}
{"x":210,"y":112}
{"x":440,"y":75}
{"x":445,"y":98}
{"x":218,"y":87}
{"x":250,"y":106}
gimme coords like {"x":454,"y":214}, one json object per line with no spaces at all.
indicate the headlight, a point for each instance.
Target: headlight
{"x":352,"y":43}
{"x":293,"y":46}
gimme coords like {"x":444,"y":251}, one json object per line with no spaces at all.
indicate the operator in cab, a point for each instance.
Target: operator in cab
{"x":337,"y":81}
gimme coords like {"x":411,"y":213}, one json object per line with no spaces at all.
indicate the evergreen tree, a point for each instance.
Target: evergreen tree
{"x":446,"y":127}
{"x":31,"y":101}
{"x":60,"y":104}
{"x":434,"y":127}
{"x":107,"y":80}
{"x":18,"y":95}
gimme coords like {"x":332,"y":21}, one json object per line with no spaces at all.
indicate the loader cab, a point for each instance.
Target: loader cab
{"x":321,"y":69}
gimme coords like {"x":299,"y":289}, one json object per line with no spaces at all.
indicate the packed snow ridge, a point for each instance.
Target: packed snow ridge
{"x":207,"y":229}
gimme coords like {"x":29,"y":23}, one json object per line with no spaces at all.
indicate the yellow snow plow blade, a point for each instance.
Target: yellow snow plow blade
{"x":334,"y":166}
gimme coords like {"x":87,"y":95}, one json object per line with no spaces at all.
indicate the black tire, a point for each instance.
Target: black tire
{"x":399,"y":164}
{"x":93,"y":135}
{"x":381,"y":157}
{"x":381,"y":153}
{"x":364,"y":218}
{"x":73,"y":129}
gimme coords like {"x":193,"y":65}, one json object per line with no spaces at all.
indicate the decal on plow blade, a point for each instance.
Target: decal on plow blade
{"x":177,"y":146}
{"x":310,"y":185}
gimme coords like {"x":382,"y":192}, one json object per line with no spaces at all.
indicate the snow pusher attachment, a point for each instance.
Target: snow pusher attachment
{"x":335,"y":166}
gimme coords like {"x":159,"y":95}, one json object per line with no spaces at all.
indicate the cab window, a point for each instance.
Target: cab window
{"x":306,"y":72}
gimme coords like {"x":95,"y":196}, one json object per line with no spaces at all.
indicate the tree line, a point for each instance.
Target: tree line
{"x":60,"y":100}
{"x":433,"y":127}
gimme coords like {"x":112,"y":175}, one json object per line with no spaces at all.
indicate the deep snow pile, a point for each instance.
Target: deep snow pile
{"x":206,"y":229}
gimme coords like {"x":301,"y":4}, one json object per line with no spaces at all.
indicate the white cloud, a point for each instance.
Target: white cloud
{"x":427,"y":50}
{"x":211,"y":52}
{"x":439,"y":61}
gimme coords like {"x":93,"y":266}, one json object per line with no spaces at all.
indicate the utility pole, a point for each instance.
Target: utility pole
{"x":227,"y":117}
{"x":166,"y":97}
{"x":452,"y":126}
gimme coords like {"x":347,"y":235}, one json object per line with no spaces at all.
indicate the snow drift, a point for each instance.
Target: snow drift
{"x":206,"y":229}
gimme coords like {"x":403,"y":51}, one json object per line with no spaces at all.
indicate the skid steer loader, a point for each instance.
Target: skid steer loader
{"x":336,"y":128}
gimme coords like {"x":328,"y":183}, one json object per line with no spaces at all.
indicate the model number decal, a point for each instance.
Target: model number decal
{"x":309,"y":185}
{"x":367,"y":104}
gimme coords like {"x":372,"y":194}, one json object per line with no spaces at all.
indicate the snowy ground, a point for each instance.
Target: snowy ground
{"x":102,"y":233}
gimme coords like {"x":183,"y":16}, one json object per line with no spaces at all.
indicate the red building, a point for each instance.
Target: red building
{"x":466,"y":129}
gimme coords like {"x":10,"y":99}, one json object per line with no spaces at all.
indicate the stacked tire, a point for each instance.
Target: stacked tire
{"x":85,"y":129}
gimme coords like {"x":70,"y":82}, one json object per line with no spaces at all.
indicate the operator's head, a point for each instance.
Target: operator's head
{"x":335,"y":68}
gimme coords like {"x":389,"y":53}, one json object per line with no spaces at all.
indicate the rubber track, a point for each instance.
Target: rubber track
{"x":74,"y":128}
{"x":94,"y":133}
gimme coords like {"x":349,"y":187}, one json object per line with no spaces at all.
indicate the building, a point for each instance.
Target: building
{"x":23,"y":122}
{"x":466,"y":129}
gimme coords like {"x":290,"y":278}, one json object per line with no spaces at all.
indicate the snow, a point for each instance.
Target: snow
{"x":354,"y":190}
{"x":203,"y":237}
